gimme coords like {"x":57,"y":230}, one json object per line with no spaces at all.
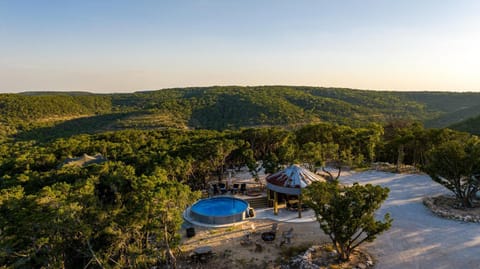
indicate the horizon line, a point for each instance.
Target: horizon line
{"x":96,"y":91}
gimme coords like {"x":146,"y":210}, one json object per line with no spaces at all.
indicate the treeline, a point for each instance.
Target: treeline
{"x":31,"y":108}
{"x":47,"y":115}
{"x":192,"y":157}
{"x":20,"y":113}
{"x":126,"y":212}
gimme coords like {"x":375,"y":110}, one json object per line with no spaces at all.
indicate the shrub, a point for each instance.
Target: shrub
{"x":346,"y":214}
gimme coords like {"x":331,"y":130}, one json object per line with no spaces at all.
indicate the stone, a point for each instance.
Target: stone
{"x":431,"y":203}
{"x":361,"y":266}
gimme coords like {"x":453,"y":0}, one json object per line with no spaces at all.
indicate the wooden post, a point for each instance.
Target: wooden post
{"x":275,"y":203}
{"x":300,"y":206}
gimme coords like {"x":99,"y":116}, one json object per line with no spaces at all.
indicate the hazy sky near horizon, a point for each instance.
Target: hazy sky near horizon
{"x":124,"y":46}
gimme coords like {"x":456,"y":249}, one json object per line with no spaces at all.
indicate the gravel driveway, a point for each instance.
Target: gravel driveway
{"x":418,"y":238}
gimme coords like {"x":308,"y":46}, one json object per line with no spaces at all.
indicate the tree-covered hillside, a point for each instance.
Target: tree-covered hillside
{"x":233,"y":107}
{"x":33,"y":108}
{"x":50,"y":115}
{"x":25,"y":112}
{"x":452,"y":107}
{"x":471,"y":125}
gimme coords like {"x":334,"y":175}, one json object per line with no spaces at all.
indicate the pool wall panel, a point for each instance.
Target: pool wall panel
{"x":219,"y":220}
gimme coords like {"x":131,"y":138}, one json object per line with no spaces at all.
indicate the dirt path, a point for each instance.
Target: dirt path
{"x":418,"y":238}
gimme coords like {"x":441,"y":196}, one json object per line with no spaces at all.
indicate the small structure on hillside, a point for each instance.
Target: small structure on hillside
{"x":290,"y":181}
{"x":84,"y":160}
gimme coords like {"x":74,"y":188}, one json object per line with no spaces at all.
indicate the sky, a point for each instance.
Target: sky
{"x":126,"y":46}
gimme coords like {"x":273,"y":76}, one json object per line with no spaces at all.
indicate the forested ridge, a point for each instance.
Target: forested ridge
{"x":162,"y":147}
{"x":54,"y":114}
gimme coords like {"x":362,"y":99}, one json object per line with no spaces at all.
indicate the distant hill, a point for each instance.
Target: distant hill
{"x":471,"y":125}
{"x":57,"y":114}
{"x":41,"y":107}
{"x":451,"y":107}
{"x":72,"y":93}
{"x":235,"y":107}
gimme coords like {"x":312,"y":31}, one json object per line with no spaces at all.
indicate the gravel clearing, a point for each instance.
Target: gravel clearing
{"x":418,"y":238}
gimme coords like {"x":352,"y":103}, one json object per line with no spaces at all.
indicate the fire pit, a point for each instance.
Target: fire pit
{"x":268,"y":236}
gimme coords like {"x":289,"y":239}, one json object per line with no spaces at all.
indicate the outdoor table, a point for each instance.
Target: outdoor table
{"x":202,"y":253}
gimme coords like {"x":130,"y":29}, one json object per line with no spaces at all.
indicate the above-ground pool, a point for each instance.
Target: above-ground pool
{"x":219,"y":210}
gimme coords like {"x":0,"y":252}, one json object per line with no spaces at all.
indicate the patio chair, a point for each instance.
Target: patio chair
{"x":215,"y":189}
{"x":235,"y":188}
{"x":223,"y":188}
{"x":258,"y":247}
{"x":275,"y":228}
{"x":243,"y":188}
{"x":287,"y":237}
{"x":246,"y":240}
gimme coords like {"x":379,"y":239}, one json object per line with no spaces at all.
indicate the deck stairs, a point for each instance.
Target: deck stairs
{"x":257,"y":202}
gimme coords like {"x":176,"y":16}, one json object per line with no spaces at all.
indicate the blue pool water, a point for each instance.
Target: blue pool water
{"x":220,"y":206}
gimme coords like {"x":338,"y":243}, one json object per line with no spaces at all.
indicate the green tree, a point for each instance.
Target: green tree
{"x":456,"y":165}
{"x":346,"y":214}
{"x":310,"y":154}
{"x":367,"y":139}
{"x":101,"y":216}
{"x":161,"y":203}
